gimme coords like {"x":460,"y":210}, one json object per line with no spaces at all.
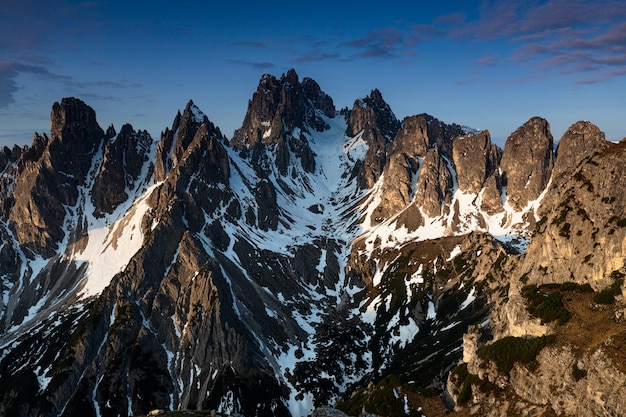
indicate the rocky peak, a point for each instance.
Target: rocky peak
{"x":279,"y":114}
{"x":401,"y":166}
{"x":373,"y":111}
{"x":320,"y":99}
{"x":123,"y":159}
{"x":579,"y":141}
{"x":110,"y":133}
{"x":280,"y":106}
{"x":527,"y":162}
{"x":413,"y":133}
{"x":475,"y":159}
{"x":434,"y":184}
{"x":74,"y":134}
{"x":190,"y":122}
{"x":442,"y":134}
{"x":372,"y":117}
{"x":51,"y":170}
{"x":184,"y":128}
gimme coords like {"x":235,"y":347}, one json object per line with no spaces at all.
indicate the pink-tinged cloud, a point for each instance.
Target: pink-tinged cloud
{"x":488,"y":61}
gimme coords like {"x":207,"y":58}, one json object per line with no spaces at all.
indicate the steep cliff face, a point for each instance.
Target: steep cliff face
{"x":299,"y":261}
{"x":49,"y":176}
{"x":372,"y":120}
{"x":475,"y":160}
{"x":561,"y":321}
{"x":580,"y":237}
{"x":527,"y":162}
{"x":123,"y":157}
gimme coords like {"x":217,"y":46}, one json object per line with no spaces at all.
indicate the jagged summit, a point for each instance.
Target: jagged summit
{"x":308,"y":258}
{"x":282,"y":106}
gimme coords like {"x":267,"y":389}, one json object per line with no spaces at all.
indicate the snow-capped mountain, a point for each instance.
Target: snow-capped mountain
{"x":267,"y":274}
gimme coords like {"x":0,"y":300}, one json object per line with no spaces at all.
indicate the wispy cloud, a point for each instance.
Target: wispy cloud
{"x":261,"y":66}
{"x":391,"y":42}
{"x":566,"y":36}
{"x":9,"y":70}
{"x":316,"y":56}
{"x":488,"y":61}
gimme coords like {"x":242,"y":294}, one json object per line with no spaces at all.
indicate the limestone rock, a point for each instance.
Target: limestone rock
{"x":578,"y":142}
{"x":374,"y":120}
{"x":527,"y":162}
{"x":280,"y":110}
{"x":434,"y":185}
{"x":442,"y":134}
{"x":401,"y":167}
{"x":475,"y":159}
{"x":328,"y":412}
{"x":580,"y":237}
{"x":52,"y":170}
{"x":123,"y":160}
{"x":492,"y":194}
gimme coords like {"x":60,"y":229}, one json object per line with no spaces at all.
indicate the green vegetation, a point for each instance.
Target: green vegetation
{"x":547,"y":307}
{"x":386,"y":398}
{"x":578,"y":373}
{"x":608,"y":200}
{"x":506,"y":351}
{"x":572,"y":286}
{"x":607,"y":295}
{"x":464,"y":379}
{"x":497,"y":265}
{"x":565,"y":208}
{"x":619,"y":222}
{"x":524,"y":278}
{"x":580,"y":177}
{"x":565,"y":230}
{"x":583,"y":213}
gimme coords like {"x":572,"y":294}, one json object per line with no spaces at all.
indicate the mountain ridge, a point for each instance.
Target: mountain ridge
{"x":206,"y":273}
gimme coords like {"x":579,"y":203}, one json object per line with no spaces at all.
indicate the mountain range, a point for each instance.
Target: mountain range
{"x":318,"y":257}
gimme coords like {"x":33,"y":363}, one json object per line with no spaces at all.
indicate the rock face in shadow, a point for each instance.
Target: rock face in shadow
{"x":373,"y":119}
{"x":279,"y":111}
{"x":124,"y":156}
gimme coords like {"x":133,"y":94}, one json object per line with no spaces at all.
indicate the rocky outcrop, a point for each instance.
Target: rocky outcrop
{"x":578,"y":142}
{"x":372,"y":118}
{"x":123,"y":159}
{"x":475,"y":160}
{"x":175,"y":141}
{"x":564,"y":379}
{"x":527,"y":162}
{"x":581,"y":236}
{"x":401,"y":167}
{"x":413,"y":135}
{"x":279,"y":111}
{"x":52,"y":171}
{"x":442,"y":134}
{"x":434,"y":185}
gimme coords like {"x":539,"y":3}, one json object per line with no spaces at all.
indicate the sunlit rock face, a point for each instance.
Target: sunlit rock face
{"x":527,"y":162}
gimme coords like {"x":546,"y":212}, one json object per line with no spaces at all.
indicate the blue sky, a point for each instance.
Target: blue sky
{"x":488,"y":64}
